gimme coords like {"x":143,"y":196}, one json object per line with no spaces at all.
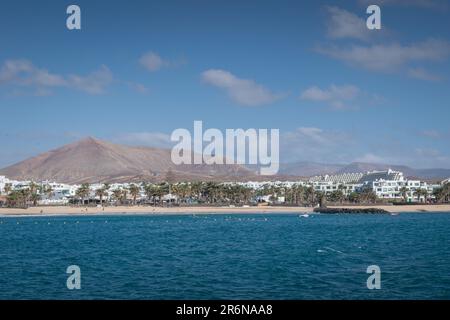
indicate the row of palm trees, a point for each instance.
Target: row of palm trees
{"x":210,"y":193}
{"x":214,"y":193}
{"x":442,"y":194}
{"x":23,"y":198}
{"x":83,"y":193}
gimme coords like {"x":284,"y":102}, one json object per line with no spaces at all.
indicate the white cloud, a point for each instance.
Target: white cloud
{"x":24,"y":73}
{"x":370,"y":158}
{"x":337,"y":97}
{"x":344,"y":24}
{"x":423,"y":74}
{"x":94,"y":83}
{"x":321,"y":145}
{"x":138,"y":87}
{"x":434,"y":134}
{"x":389,"y":57}
{"x":153,"y":62}
{"x":243,"y":91}
{"x":315,"y":144}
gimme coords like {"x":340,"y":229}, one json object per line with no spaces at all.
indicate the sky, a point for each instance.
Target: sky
{"x":137,"y":70}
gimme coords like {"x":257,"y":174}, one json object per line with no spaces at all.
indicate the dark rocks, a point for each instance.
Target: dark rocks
{"x":350,"y":210}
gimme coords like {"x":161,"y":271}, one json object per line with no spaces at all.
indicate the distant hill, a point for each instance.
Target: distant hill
{"x":312,"y":168}
{"x":434,"y":173}
{"x":364,"y":167}
{"x":92,"y":160}
{"x":308,"y":169}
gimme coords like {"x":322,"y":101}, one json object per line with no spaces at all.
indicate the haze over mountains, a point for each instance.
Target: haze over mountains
{"x":92,"y":160}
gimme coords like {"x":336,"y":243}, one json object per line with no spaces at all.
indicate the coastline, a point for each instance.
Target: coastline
{"x":139,"y":210}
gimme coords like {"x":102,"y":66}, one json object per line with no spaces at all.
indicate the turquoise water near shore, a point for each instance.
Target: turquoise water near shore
{"x":274,"y":256}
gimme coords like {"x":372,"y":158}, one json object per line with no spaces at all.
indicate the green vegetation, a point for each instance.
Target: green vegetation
{"x":211,"y":193}
{"x":442,"y":194}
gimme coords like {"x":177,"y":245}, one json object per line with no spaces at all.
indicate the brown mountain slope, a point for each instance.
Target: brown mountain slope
{"x":92,"y":160}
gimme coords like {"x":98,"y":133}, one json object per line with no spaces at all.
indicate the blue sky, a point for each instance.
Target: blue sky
{"x":136,"y":71}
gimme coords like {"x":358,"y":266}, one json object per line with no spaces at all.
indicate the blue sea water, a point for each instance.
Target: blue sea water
{"x":226,"y":256}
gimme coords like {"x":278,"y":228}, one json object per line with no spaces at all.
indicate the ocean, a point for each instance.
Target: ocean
{"x":276,"y":256}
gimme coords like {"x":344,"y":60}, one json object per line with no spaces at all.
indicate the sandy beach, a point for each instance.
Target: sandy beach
{"x":66,"y":211}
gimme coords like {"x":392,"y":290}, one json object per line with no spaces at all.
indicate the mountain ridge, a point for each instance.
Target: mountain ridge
{"x":314,"y":168}
{"x":93,"y":160}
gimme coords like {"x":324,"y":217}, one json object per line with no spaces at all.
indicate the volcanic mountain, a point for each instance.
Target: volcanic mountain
{"x":92,"y":160}
{"x":96,"y":161}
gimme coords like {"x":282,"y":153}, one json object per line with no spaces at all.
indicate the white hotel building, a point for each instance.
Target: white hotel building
{"x":386,"y":184}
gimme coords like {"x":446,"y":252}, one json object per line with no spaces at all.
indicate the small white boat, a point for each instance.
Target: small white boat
{"x":304,"y":215}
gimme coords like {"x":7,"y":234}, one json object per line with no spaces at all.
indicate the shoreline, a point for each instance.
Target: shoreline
{"x":141,"y":210}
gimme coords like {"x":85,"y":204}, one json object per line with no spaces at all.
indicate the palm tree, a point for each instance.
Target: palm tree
{"x":17,"y":198}
{"x":446,"y":191}
{"x":33,"y":193}
{"x":290,"y":195}
{"x":148,"y":189}
{"x":117,"y":195}
{"x":33,"y":187}
{"x":274,"y":192}
{"x":421,"y":192}
{"x":336,"y":196}
{"x":299,"y":192}
{"x":48,"y":191}
{"x":425,"y":195}
{"x":368,"y":196}
{"x":404,"y":193}
{"x":321,"y":197}
{"x":247,"y":194}
{"x":170,"y":179}
{"x":83,"y":192}
{"x":134,"y":191}
{"x":208,"y":190}
{"x":161,"y":190}
{"x":101,"y":193}
{"x":188,"y":192}
{"x":353,"y":197}
{"x":196,"y":190}
{"x":180,"y":190}
{"x":143,"y":185}
{"x":124,"y":195}
{"x":34,"y":197}
{"x":442,"y":194}
{"x":156,"y":191}
{"x":310,"y":196}
{"x":8,"y":188}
